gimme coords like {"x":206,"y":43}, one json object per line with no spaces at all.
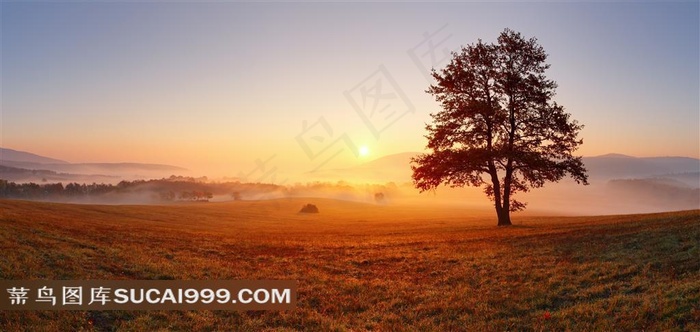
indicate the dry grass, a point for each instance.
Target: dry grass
{"x":366,"y":267}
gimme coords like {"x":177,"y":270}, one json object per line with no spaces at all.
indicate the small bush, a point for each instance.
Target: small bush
{"x":309,"y":208}
{"x":379,"y":197}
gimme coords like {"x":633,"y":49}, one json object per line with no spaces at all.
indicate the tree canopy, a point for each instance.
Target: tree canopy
{"x":499,"y":127}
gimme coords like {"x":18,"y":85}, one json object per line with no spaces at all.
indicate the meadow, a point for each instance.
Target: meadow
{"x":366,"y":266}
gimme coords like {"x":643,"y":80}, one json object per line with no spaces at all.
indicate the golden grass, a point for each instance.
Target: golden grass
{"x":366,"y":267}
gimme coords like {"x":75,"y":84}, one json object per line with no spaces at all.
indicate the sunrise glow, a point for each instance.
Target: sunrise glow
{"x":364,"y":151}
{"x":205,"y":86}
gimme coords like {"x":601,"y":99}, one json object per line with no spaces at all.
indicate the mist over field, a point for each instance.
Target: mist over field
{"x":618,"y":185}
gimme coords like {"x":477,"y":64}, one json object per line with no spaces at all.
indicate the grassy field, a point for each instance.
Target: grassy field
{"x":366,"y":267}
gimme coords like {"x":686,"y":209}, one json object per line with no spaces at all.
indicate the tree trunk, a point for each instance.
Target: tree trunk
{"x":501,"y":203}
{"x":503,"y":217}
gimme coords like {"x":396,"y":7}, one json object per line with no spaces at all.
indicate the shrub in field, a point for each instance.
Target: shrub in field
{"x":309,"y":208}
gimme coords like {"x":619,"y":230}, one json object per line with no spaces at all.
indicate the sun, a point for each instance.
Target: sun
{"x":364,"y":151}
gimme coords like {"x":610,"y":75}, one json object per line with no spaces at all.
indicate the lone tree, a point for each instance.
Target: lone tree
{"x":499,"y":127}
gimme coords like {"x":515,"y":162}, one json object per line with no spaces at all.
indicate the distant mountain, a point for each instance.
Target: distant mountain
{"x":396,"y":168}
{"x":390,"y":168}
{"x":392,"y":160}
{"x":118,"y":167}
{"x":614,"y":166}
{"x":21,"y":175}
{"x":40,"y":167}
{"x":95,"y":168}
{"x":613,"y":155}
{"x":21,"y":156}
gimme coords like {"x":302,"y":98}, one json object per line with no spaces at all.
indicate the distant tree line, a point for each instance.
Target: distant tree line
{"x":76,"y":190}
{"x":179,"y":188}
{"x":42,"y":191}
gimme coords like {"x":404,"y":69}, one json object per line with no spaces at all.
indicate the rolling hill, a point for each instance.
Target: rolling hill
{"x":391,"y":168}
{"x":396,"y":167}
{"x":81,"y":172}
{"x":23,"y":175}
{"x":616,"y":166}
{"x":9,"y":155}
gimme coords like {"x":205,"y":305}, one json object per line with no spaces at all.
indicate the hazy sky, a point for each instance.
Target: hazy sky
{"x":216,"y":86}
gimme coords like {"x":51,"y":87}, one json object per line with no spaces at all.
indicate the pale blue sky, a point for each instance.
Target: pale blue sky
{"x":213,"y":86}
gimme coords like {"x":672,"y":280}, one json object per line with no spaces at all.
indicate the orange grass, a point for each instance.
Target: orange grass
{"x":366,"y":267}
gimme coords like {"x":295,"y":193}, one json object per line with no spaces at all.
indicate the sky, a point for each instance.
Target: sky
{"x":265,"y":90}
